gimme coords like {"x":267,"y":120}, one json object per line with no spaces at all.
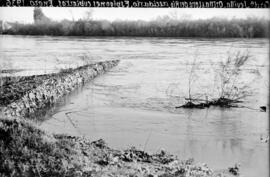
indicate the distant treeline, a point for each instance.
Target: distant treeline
{"x":162,"y":27}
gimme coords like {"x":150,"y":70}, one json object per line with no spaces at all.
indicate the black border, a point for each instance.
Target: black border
{"x":139,"y":3}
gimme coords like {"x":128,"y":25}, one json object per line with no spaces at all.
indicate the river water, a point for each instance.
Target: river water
{"x":134,"y":103}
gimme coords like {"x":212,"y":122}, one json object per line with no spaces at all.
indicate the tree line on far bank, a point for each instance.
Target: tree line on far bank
{"x":165,"y":26}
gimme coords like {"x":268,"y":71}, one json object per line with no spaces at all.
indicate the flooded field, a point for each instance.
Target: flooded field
{"x":134,"y":104}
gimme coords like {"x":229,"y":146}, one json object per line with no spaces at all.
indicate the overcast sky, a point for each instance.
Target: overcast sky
{"x":25,"y":14}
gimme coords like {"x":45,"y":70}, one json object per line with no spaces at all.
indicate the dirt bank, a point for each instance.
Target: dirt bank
{"x":28,"y":151}
{"x":24,"y":96}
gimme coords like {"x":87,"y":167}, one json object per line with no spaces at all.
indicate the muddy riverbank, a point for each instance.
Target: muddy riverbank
{"x":26,"y":150}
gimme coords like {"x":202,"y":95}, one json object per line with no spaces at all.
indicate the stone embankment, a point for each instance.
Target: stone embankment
{"x":24,"y":96}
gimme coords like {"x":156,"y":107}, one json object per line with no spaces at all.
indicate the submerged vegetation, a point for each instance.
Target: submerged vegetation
{"x":166,"y":26}
{"x":229,"y":85}
{"x":232,"y":89}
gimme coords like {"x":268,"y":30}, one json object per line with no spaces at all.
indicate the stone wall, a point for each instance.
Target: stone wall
{"x":48,"y":89}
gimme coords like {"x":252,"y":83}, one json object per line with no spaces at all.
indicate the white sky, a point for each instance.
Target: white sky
{"x":25,"y":14}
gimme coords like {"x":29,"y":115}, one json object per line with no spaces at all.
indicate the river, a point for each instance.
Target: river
{"x":134,"y":103}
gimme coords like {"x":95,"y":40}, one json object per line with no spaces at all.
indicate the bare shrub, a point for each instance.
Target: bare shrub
{"x":192,"y":77}
{"x":229,"y":83}
{"x":232,"y":88}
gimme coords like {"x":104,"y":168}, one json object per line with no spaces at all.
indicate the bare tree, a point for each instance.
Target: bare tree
{"x":39,"y":16}
{"x":72,"y":16}
{"x":88,"y":16}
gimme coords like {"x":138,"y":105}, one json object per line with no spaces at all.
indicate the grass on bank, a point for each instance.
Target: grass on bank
{"x":27,"y":151}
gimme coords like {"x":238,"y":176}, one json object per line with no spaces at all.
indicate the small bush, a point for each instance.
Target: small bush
{"x":229,"y":85}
